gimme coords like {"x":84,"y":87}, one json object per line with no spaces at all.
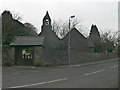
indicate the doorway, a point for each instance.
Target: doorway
{"x":24,"y":56}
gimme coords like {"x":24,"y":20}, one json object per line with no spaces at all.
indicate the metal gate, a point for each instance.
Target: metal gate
{"x":24,"y":56}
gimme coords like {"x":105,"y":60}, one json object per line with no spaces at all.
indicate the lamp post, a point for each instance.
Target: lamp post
{"x":69,"y":40}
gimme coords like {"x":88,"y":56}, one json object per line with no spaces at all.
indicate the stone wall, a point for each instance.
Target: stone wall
{"x":37,"y":55}
{"x":43,"y":57}
{"x":7,"y":55}
{"x":60,"y":57}
{"x":55,"y":57}
{"x":80,"y":57}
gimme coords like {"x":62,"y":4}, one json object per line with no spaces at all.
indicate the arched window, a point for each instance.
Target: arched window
{"x":46,"y":22}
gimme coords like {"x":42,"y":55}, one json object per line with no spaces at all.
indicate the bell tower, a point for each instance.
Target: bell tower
{"x":47,"y":20}
{"x":46,"y":25}
{"x":51,"y":40}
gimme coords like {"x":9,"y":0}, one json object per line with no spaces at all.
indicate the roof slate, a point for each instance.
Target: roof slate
{"x":27,"y":41}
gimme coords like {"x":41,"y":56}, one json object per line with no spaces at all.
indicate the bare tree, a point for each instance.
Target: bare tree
{"x":75,"y":23}
{"x":109,"y":40}
{"x":17,"y":16}
{"x":110,"y":36}
{"x":62,"y":27}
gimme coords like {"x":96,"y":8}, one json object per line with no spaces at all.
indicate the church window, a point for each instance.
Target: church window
{"x":46,"y":22}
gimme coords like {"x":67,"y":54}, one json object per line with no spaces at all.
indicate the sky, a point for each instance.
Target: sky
{"x":103,"y":13}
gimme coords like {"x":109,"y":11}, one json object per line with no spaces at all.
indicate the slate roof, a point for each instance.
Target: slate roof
{"x":27,"y":41}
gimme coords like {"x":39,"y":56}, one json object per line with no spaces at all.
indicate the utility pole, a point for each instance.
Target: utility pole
{"x":69,"y":40}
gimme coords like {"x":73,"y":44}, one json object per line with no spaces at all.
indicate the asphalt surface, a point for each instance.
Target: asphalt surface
{"x":102,"y":75}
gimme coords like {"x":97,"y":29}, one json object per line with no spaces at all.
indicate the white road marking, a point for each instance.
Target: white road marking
{"x":113,"y":66}
{"x":94,"y":72}
{"x":39,"y":83}
{"x":75,"y":65}
{"x":78,"y":65}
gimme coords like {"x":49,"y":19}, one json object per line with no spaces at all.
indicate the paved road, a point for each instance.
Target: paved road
{"x":103,"y":75}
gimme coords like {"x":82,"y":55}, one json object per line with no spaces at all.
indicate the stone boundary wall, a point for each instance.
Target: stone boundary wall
{"x":44,"y":57}
{"x":55,"y":57}
{"x":61,"y":57}
{"x":79,"y":57}
{"x":7,"y":55}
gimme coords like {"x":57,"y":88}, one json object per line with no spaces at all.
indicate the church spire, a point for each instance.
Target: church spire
{"x":47,"y":13}
{"x":47,"y":19}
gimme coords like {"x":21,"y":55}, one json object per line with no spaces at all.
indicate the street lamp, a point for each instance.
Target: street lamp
{"x":69,"y":40}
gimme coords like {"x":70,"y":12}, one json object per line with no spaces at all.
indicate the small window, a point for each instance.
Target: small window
{"x":46,"y":22}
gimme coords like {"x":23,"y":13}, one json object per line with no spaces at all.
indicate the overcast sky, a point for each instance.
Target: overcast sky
{"x":103,"y":13}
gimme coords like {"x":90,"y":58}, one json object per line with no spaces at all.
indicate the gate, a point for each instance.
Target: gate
{"x":24,"y":56}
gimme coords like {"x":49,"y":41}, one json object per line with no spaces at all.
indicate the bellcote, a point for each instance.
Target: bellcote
{"x":47,"y":19}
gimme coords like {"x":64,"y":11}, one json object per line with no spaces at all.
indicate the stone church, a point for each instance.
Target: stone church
{"x":47,"y":49}
{"x":77,"y":40}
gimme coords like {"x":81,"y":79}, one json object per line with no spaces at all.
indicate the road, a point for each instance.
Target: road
{"x":102,"y":75}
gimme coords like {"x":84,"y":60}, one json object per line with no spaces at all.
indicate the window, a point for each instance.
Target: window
{"x":46,"y":22}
